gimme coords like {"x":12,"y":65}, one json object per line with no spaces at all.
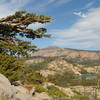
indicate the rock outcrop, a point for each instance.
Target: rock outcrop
{"x":6,"y":90}
{"x":11,"y":92}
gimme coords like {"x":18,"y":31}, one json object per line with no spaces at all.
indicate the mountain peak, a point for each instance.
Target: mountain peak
{"x":53,"y":47}
{"x":53,"y":51}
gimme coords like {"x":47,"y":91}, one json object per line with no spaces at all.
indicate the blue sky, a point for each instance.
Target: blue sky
{"x":75,"y":24}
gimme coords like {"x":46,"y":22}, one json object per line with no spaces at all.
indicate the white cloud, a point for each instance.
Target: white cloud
{"x":36,"y":25}
{"x":43,"y":6}
{"x":11,"y":6}
{"x":84,"y":34}
{"x":80,"y":14}
{"x":8,"y":8}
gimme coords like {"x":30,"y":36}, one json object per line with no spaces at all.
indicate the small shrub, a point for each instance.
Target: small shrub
{"x":76,"y":92}
{"x":40,"y":89}
{"x":54,"y":91}
{"x":83,"y":71}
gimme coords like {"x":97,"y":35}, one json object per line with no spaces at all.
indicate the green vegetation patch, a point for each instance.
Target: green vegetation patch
{"x":54,"y":91}
{"x":10,"y":67}
{"x":31,"y":77}
{"x":41,"y":65}
{"x":69,"y":79}
{"x":40,"y":88}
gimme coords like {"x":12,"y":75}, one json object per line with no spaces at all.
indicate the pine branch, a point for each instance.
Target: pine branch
{"x":17,"y":25}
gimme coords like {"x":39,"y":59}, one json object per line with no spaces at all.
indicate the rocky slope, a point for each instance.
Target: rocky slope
{"x":51,"y":66}
{"x":61,"y":59}
{"x":17,"y":91}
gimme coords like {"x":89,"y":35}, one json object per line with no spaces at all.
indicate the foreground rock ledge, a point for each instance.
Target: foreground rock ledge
{"x":11,"y":92}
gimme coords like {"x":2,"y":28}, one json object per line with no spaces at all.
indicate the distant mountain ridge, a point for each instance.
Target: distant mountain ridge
{"x":72,"y":54}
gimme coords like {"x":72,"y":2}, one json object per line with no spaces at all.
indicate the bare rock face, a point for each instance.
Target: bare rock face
{"x":6,"y":90}
{"x":10,"y":92}
{"x":61,"y":65}
{"x":20,"y":92}
{"x":41,"y":96}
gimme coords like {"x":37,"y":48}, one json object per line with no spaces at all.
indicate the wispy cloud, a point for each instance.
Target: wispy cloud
{"x":43,"y":6}
{"x":11,"y":6}
{"x":58,"y":2}
{"x":84,"y":34}
{"x":80,"y":14}
{"x":61,"y":2}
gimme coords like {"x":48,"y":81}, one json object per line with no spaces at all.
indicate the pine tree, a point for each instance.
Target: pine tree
{"x":11,"y":46}
{"x":16,"y":25}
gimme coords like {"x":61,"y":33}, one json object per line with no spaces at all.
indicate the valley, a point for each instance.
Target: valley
{"x":65,"y":71}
